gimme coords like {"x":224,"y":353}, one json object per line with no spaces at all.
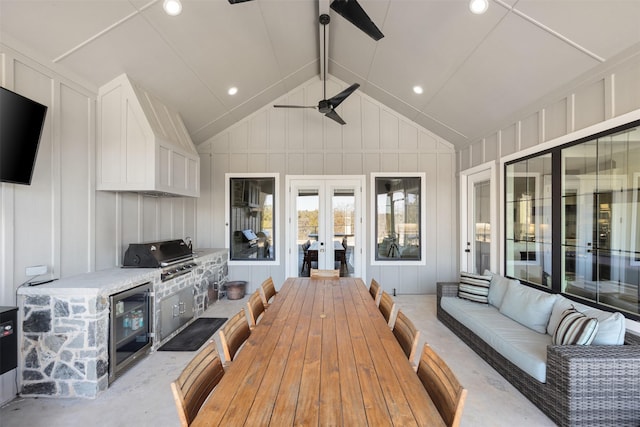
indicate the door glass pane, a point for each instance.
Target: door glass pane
{"x":308,"y":208}
{"x":528,"y":223}
{"x":482,"y":226}
{"x":398,"y":218}
{"x":343,"y":218}
{"x":251,"y":221}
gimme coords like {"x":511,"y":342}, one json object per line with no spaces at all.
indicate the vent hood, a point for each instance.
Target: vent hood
{"x":143,"y":145}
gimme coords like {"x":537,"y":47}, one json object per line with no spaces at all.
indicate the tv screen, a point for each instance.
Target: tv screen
{"x":21,"y":123}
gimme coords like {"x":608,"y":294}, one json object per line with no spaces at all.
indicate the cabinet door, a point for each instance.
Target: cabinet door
{"x":185,"y":305}
{"x":169,"y":315}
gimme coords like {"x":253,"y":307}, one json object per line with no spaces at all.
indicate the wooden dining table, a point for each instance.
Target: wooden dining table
{"x":322,"y":355}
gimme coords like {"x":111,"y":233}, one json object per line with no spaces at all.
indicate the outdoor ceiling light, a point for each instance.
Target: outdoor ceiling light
{"x":232,"y":90}
{"x":418,"y":90}
{"x":172,"y":7}
{"x":478,"y":6}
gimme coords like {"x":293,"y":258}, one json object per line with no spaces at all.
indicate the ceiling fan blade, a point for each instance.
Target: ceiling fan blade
{"x":354,"y":13}
{"x":334,"y":101}
{"x":295,"y":106}
{"x":334,"y":116}
{"x":237,"y":1}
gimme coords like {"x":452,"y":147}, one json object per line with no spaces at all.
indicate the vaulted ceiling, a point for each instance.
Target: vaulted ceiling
{"x":478,"y":71}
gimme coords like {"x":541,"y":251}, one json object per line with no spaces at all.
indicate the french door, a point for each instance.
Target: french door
{"x":324,"y":226}
{"x":478,"y":221}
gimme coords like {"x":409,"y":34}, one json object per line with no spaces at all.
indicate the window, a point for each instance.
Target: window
{"x":528,"y":219}
{"x":571,"y":218}
{"x":251,"y":231}
{"x":399,"y":217}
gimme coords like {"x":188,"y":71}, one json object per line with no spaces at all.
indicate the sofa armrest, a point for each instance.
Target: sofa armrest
{"x":595,"y":380}
{"x":447,"y":289}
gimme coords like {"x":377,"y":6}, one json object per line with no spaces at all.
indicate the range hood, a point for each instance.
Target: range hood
{"x":143,"y":145}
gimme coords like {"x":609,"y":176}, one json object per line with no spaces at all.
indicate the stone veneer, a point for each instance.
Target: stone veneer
{"x":65,"y":325}
{"x":211,"y":269}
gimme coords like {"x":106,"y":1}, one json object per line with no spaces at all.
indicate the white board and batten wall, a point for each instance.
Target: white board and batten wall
{"x":60,"y":220}
{"x":303,"y":142}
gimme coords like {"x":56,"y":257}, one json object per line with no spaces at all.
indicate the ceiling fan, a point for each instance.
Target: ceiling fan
{"x":327,"y":106}
{"x":352,"y":12}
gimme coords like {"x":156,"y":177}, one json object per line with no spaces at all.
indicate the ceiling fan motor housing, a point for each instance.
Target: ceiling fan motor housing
{"x":324,"y":106}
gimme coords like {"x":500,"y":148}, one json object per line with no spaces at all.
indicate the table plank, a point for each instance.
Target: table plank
{"x":263,"y":405}
{"x":286,"y":402}
{"x":374,"y":402}
{"x":330,"y":402}
{"x":353,"y":411}
{"x":309,"y":394}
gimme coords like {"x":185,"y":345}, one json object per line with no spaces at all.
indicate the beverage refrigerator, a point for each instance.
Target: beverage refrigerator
{"x":130,"y":328}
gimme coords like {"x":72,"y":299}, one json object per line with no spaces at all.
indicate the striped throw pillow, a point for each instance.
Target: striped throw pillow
{"x":575,"y":328}
{"x":474,"y":287}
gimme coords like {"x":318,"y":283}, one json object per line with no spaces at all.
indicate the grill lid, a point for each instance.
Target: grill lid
{"x":156,"y":254}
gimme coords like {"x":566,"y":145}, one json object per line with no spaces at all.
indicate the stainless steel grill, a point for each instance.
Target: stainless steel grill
{"x":174,"y":257}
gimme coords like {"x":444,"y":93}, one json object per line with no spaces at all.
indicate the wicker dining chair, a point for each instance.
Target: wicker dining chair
{"x":233,"y":334}
{"x":255,"y":307}
{"x":386,"y":307}
{"x":445,"y":390}
{"x":195,"y":383}
{"x":407,"y":335}
{"x":267,"y":291}
{"x":376,"y":291}
{"x":324,"y":274}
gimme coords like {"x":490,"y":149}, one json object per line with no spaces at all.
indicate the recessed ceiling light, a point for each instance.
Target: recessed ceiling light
{"x":418,"y":90}
{"x":478,"y":6}
{"x":172,"y":7}
{"x":232,"y":90}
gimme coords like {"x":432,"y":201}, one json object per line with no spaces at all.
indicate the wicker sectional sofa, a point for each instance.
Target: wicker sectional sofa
{"x":586,"y":385}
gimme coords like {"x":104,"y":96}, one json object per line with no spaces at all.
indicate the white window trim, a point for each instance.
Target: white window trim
{"x":276,"y":217}
{"x":423,"y":217}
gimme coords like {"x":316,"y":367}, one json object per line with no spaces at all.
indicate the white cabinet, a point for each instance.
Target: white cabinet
{"x":143,"y":145}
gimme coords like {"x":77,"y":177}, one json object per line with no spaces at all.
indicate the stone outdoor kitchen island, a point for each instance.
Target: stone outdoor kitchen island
{"x":64,"y":331}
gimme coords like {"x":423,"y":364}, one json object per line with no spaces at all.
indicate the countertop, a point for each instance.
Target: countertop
{"x":104,"y":282}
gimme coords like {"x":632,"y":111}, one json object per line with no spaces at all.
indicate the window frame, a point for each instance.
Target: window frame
{"x":558,"y":228}
{"x":374,"y":219}
{"x":276,"y":218}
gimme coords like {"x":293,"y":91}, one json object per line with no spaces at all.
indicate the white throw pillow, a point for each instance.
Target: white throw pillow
{"x":611,"y":326}
{"x":527,"y":306}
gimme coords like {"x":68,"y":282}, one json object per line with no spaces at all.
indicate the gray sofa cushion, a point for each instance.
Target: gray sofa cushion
{"x":520,"y":345}
{"x":528,"y":306}
{"x":498,"y":287}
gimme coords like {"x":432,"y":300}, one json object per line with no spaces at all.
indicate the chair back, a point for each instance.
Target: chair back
{"x":406,"y":334}
{"x":255,"y":308}
{"x":233,"y":334}
{"x":267,"y":291}
{"x":195,"y":383}
{"x":443,"y":387}
{"x":325,"y":274}
{"x":387,"y":305}
{"x":375,"y":290}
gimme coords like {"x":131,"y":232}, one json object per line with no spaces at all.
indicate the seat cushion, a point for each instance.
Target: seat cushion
{"x":520,"y":345}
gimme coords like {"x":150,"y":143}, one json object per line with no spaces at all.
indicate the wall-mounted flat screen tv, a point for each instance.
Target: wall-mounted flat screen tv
{"x":21,"y":123}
